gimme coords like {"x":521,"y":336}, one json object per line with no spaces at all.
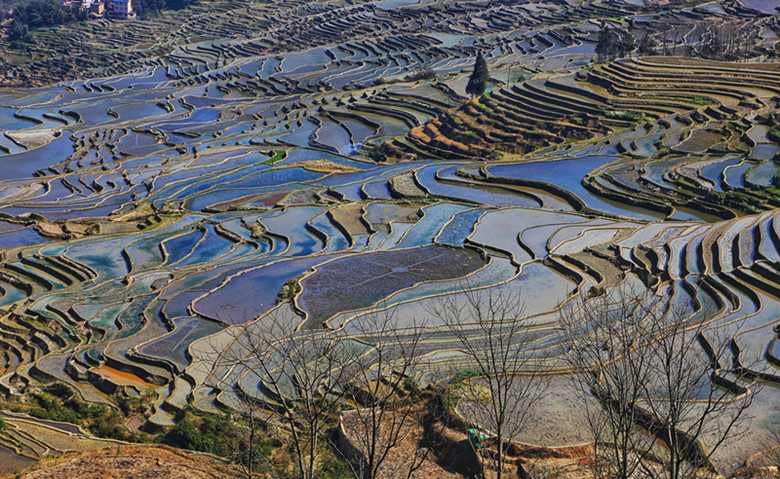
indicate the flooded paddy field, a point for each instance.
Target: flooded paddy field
{"x":156,"y":209}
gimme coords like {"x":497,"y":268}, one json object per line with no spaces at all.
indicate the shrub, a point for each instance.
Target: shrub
{"x":333,"y":468}
{"x":289,"y":290}
{"x":624,"y":115}
{"x":494,"y":155}
{"x":596,"y":291}
{"x":411,"y":385}
{"x":184,"y":435}
{"x":218,"y":434}
{"x":111,"y":424}
{"x":381,"y":153}
{"x":212,"y":433}
{"x":58,"y":402}
{"x":774,"y":135}
{"x":465,"y":374}
{"x":422,"y":73}
{"x":776,"y":180}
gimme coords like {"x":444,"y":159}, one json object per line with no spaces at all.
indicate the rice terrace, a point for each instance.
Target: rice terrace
{"x":390,"y":238}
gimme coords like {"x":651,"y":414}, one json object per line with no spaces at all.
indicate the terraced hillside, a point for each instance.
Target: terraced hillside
{"x":170,"y":199}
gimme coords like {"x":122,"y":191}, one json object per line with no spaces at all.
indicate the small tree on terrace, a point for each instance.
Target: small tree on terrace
{"x":646,"y":45}
{"x":613,"y":42}
{"x":479,"y":77}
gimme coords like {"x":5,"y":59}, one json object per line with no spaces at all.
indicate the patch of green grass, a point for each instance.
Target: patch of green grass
{"x":465,"y":374}
{"x":774,"y":134}
{"x":703,"y":101}
{"x":685,"y":182}
{"x":471,"y":134}
{"x":624,"y":115}
{"x":482,"y":106}
{"x":698,"y":100}
{"x":279,"y":155}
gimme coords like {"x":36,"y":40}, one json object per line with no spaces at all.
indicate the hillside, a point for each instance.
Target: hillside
{"x":126,"y":462}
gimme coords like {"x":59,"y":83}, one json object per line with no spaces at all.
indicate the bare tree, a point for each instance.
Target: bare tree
{"x":295,"y":376}
{"x":490,"y":330}
{"x":388,"y":412}
{"x":769,"y":459}
{"x":604,"y":338}
{"x":670,"y":390}
{"x":698,"y":392}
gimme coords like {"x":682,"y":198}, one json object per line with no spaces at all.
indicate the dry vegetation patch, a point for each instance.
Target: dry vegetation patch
{"x":128,"y":462}
{"x":323,"y":166}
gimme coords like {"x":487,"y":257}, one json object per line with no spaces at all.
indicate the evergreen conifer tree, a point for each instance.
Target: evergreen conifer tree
{"x":479,"y":77}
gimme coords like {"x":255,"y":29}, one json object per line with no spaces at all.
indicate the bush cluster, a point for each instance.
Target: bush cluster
{"x":58,"y":402}
{"x":40,"y":14}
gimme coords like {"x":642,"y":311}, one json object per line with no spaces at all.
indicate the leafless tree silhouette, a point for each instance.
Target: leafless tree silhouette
{"x":490,"y":331}
{"x":382,"y":387}
{"x":666,"y":381}
{"x":295,"y":377}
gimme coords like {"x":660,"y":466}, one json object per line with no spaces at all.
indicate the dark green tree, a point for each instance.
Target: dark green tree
{"x":178,"y":4}
{"x":382,"y":152}
{"x":40,"y":14}
{"x":149,"y":8}
{"x":647,"y":45}
{"x":713,"y":49}
{"x":604,"y":44}
{"x":613,"y":42}
{"x":479,"y":77}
